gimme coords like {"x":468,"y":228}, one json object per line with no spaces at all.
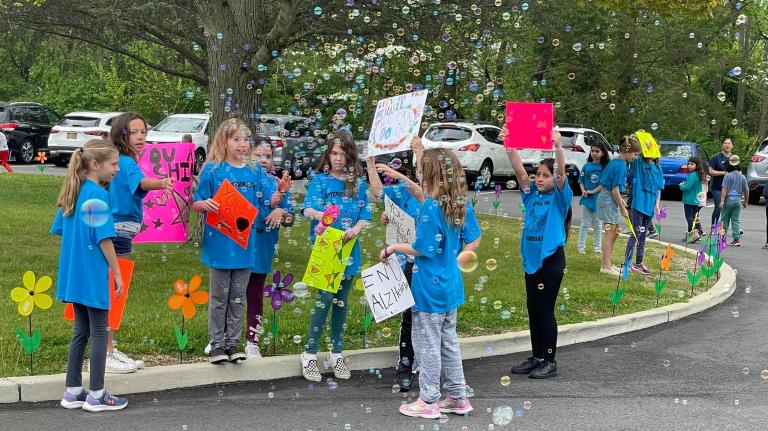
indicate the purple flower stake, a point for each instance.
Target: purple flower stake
{"x":497,"y":202}
{"x":280,"y":294}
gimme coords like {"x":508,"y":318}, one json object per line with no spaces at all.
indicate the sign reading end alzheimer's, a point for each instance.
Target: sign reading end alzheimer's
{"x":396,"y":122}
{"x":386,"y":289}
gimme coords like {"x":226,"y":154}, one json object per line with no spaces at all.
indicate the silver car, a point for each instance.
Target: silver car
{"x":757,"y":173}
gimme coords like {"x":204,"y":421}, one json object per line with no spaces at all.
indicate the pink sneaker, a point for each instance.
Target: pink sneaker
{"x":459,"y":407}
{"x":420,"y":409}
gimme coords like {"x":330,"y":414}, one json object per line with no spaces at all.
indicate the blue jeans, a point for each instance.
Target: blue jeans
{"x":589,"y":220}
{"x":438,"y":354}
{"x":716,"y":212}
{"x":323,"y":304}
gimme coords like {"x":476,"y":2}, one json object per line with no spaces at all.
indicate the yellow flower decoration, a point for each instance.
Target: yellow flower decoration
{"x":31,"y":294}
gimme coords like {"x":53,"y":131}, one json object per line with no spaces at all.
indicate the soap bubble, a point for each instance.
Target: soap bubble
{"x":505,"y":380}
{"x":396,"y":163}
{"x":540,"y":286}
{"x":721,"y":96}
{"x":497,"y":305}
{"x":297,"y":339}
{"x":94,"y":212}
{"x":736,"y":71}
{"x":505,"y":314}
{"x":577,"y":46}
{"x":511,"y":184}
{"x":665,"y":363}
{"x":502,"y":415}
{"x":300,"y":290}
{"x":527,"y":405}
{"x":386,"y":332}
{"x":764,"y":374}
{"x":490,"y":264}
{"x":467,"y":261}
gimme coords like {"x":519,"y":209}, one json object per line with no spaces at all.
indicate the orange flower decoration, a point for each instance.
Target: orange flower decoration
{"x":666,"y":261}
{"x":665,"y":264}
{"x":186,"y":296}
{"x":42,"y":157}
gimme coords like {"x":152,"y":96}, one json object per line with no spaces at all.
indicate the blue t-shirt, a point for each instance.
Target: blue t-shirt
{"x":219,"y":251}
{"x":437,"y":285}
{"x":614,"y":174}
{"x":125,"y":193}
{"x":267,"y":239}
{"x":646,"y":180}
{"x":83,"y":269}
{"x":544,"y":231}
{"x":717,"y":162}
{"x":590,"y":179}
{"x":325,"y":190}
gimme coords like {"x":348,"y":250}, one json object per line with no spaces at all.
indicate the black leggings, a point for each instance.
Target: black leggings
{"x":406,"y":345}
{"x":541,"y":290}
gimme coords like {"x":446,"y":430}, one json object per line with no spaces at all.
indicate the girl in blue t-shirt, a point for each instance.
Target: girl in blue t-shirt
{"x":547,"y":202}
{"x":230,"y":264}
{"x":337,"y":183}
{"x":438,"y":290}
{"x":274,"y":208}
{"x":589,"y":182}
{"x":611,"y":208}
{"x":126,"y":195}
{"x":84,"y":222}
{"x":645,"y":184}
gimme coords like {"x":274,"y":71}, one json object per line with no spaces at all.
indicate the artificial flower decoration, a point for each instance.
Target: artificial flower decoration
{"x":186,"y":296}
{"x":41,"y":157}
{"x":279,"y":291}
{"x":31,"y":294}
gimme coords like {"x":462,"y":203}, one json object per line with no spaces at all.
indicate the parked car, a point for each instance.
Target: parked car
{"x":402,"y":161}
{"x":674,"y":162}
{"x":757,"y":172}
{"x":175,"y":126}
{"x":577,"y":141}
{"x":26,"y":125}
{"x":74,"y":130}
{"x":295,"y":140}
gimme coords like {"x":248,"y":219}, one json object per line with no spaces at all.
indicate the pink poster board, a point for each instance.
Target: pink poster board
{"x":529,"y":125}
{"x":166,"y":213}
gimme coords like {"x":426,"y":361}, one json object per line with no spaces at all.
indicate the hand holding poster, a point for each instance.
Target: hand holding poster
{"x":328,"y":260}
{"x":396,"y":122}
{"x":648,"y":144}
{"x":166,"y":213}
{"x":529,"y":125}
{"x":236,"y":215}
{"x":386,"y":289}
{"x":116,"y":305}
{"x":401,"y":227}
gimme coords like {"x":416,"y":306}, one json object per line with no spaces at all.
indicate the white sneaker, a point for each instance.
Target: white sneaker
{"x":138,"y":363}
{"x":340,"y":369}
{"x":612,"y":272}
{"x":597,"y":250}
{"x":116,"y":366}
{"x":207,"y":349}
{"x":582,"y":250}
{"x":252,"y":350}
{"x":309,"y":368}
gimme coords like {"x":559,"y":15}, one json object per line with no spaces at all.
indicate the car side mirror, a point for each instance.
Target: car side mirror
{"x":615,"y":148}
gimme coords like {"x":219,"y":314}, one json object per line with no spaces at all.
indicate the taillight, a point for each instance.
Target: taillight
{"x":94,"y":132}
{"x":470,"y":147}
{"x":277,"y":142}
{"x":683,"y":169}
{"x":574,"y":148}
{"x":55,"y":130}
{"x":757,"y":158}
{"x":8,"y":127}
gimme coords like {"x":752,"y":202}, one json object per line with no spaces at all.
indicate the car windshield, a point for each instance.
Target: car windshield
{"x":675,"y":151}
{"x":567,"y":137}
{"x":763,"y":148}
{"x":180,"y":125}
{"x":79,"y":122}
{"x":448,"y":134}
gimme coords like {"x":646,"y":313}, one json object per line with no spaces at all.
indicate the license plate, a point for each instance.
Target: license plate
{"x":72,"y":135}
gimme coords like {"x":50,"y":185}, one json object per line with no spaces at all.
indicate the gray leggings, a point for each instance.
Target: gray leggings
{"x":89,"y":323}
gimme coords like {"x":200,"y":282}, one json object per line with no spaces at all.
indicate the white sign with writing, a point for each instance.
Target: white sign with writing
{"x":396,"y":122}
{"x":386,"y":289}
{"x":401,"y":228}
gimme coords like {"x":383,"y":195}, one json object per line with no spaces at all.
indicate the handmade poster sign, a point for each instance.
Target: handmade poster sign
{"x":166,"y":213}
{"x":529,"y":125}
{"x":386,"y":289}
{"x":328,"y":260}
{"x":236,"y":214}
{"x":401,"y":227}
{"x":116,"y":305}
{"x":396,"y":122}
{"x":648,"y":144}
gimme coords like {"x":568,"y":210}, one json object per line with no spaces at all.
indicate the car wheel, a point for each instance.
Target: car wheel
{"x":199,"y":160}
{"x":485,"y":173}
{"x":61,"y":162}
{"x":27,"y":152}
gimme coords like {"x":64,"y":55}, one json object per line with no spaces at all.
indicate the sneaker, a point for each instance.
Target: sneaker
{"x":546,"y":370}
{"x":138,"y":363}
{"x":597,"y":250}
{"x":582,"y":250}
{"x":695,"y":236}
{"x":639,"y":269}
{"x":70,"y":401}
{"x":526,"y":366}
{"x":234,"y":354}
{"x":736,"y":243}
{"x":645,"y":270}
{"x":207,"y":349}
{"x":420,"y":409}
{"x":653,"y":234}
{"x":217,"y":354}
{"x":340,"y":369}
{"x":614,"y":272}
{"x":252,"y":350}
{"x":309,"y":368}
{"x":116,"y":366}
{"x":105,"y":403}
{"x":459,"y":407}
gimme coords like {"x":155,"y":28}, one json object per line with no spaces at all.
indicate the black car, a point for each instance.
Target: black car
{"x":27,"y":126}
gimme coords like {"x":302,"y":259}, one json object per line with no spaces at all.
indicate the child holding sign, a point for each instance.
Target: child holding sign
{"x":437,"y":287}
{"x":339,"y":184}
{"x":547,"y":203}
{"x":273,"y":205}
{"x":126,"y":196}
{"x":645,"y":184}
{"x":84,"y":222}
{"x":230,"y":263}
{"x":589,"y":182}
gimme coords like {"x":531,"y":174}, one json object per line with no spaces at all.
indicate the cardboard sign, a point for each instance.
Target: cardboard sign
{"x":529,"y":125}
{"x":386,"y":289}
{"x":649,"y":145}
{"x":401,"y":227}
{"x":396,"y":122}
{"x":116,"y":305}
{"x":166,"y":213}
{"x":236,"y":214}
{"x":328,"y":260}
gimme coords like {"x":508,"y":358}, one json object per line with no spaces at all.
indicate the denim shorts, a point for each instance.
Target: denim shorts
{"x":607,"y":210}
{"x":125,"y":231}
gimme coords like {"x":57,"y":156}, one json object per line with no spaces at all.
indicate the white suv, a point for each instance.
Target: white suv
{"x":74,"y":130}
{"x":481,"y":155}
{"x":174,"y":127}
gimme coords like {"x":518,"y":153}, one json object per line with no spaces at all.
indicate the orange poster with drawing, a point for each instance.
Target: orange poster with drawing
{"x":236,"y":214}
{"x":328,"y":260}
{"x":116,"y":305}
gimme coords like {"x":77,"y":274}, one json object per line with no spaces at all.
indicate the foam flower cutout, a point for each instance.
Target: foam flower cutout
{"x":41,"y":157}
{"x":497,"y":191}
{"x":31,"y":294}
{"x":661,"y":214}
{"x":186,"y":296}
{"x":279,"y":291}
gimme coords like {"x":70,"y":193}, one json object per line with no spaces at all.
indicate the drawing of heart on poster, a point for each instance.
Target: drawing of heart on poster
{"x":236,"y":214}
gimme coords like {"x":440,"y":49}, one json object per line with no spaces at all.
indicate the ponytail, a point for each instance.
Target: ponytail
{"x":96,"y":150}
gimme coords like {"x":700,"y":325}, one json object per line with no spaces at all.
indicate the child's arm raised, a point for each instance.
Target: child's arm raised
{"x":109,"y":253}
{"x":517,"y":163}
{"x":559,"y":160}
{"x":377,"y":188}
{"x":413,"y":188}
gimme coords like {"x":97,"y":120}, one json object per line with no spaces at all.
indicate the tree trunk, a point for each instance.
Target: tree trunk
{"x":715,"y":128}
{"x":746,"y":47}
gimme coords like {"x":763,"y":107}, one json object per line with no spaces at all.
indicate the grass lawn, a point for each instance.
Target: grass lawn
{"x":495,"y":296}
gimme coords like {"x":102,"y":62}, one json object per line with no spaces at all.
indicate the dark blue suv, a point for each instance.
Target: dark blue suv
{"x":674,"y":161}
{"x":27,"y":126}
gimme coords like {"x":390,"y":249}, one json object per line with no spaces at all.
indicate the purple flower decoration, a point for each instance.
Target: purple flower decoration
{"x":662,"y":213}
{"x":279,"y":291}
{"x":700,"y":257}
{"x":497,"y":189}
{"x":721,"y":243}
